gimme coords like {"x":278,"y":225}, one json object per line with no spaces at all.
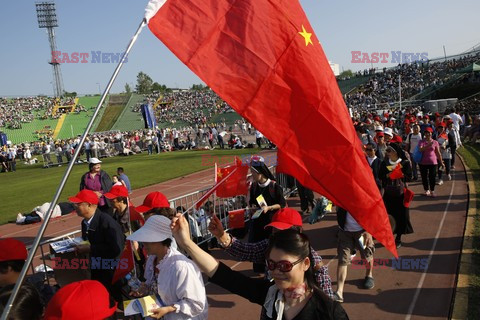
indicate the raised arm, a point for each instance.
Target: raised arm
{"x":181,"y":233}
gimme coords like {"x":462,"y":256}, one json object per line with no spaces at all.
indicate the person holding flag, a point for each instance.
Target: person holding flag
{"x":267,"y":195}
{"x":393,"y":172}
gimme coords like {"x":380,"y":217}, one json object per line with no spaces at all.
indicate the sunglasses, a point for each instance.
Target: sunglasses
{"x":283,"y":265}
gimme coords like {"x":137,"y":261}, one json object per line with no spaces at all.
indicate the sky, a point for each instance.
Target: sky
{"x":420,"y":26}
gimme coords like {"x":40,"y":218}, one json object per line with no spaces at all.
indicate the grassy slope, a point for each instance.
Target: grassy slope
{"x":471,"y":154}
{"x":31,"y":185}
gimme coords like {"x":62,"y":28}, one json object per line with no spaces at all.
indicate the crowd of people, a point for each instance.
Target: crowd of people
{"x":402,"y":146}
{"x":15,"y":111}
{"x":114,"y":143}
{"x":383,"y":88}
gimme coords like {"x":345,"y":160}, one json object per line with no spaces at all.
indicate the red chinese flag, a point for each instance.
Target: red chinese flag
{"x":236,"y":219}
{"x":122,"y":269}
{"x":236,"y":184}
{"x":134,"y":215}
{"x":396,"y":173}
{"x":263,"y":58}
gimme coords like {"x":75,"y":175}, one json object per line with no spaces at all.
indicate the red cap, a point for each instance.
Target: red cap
{"x":376,"y":118}
{"x":380,"y":134}
{"x":116,"y":191}
{"x":286,"y":218}
{"x":85,"y":196}
{"x":86,"y":299}
{"x":442,"y":124}
{"x":437,"y":114}
{"x":406,"y":121}
{"x":153,"y":200}
{"x":397,"y":139}
{"x":449,"y":122}
{"x":426,"y":117}
{"x":429,"y":129}
{"x":12,"y":249}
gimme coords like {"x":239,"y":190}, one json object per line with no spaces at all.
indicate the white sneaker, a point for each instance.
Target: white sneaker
{"x":449,"y":177}
{"x":20,"y":218}
{"x":427,"y":193}
{"x":440,"y":182}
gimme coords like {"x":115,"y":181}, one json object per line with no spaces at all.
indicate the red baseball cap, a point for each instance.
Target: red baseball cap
{"x":397,"y":139}
{"x":86,"y":299}
{"x":442,"y":124}
{"x":85,"y":196}
{"x":12,"y":249}
{"x":429,"y":129}
{"x":153,"y":200}
{"x":286,"y":218}
{"x":117,"y":191}
{"x":380,"y":134}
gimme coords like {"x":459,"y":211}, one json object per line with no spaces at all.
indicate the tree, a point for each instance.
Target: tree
{"x":346,"y":74}
{"x":127,"y":88}
{"x":144,"y":83}
{"x":198,"y":87}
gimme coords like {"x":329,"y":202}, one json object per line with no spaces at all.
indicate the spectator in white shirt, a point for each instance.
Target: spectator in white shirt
{"x":179,"y":282}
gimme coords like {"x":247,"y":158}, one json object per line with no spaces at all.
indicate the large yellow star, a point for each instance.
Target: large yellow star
{"x":307,"y":36}
{"x":219,"y":173}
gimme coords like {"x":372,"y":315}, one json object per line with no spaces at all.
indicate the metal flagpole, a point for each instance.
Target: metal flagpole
{"x":41,"y":231}
{"x":400,"y":89}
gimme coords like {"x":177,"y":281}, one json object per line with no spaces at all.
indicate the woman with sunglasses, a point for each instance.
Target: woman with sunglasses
{"x":393,"y":172}
{"x":294,"y":293}
{"x":431,"y":157}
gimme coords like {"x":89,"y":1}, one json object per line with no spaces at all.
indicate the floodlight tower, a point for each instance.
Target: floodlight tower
{"x":47,"y":18}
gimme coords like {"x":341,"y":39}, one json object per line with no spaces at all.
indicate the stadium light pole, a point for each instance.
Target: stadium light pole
{"x":68,"y":170}
{"x":47,"y":19}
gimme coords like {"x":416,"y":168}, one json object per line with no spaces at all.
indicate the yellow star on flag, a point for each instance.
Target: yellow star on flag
{"x":219,"y":173}
{"x":307,"y":36}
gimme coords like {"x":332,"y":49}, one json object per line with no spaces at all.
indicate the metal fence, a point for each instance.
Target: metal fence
{"x":200,"y":218}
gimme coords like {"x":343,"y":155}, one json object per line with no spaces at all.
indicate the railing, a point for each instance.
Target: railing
{"x":43,"y":252}
{"x":199,"y":219}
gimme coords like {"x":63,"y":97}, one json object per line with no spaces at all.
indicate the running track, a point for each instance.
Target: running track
{"x":398,"y":294}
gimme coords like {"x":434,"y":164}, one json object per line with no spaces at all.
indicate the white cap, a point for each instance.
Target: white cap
{"x":388,"y":131}
{"x":156,"y":229}
{"x":378,"y":128}
{"x":94,"y":161}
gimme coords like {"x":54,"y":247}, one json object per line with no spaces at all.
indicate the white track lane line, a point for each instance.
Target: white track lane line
{"x":424,"y":274}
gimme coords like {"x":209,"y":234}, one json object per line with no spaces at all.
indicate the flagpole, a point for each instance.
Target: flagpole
{"x":43,"y":227}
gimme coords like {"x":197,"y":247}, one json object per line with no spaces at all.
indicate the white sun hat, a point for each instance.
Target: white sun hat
{"x":156,"y":229}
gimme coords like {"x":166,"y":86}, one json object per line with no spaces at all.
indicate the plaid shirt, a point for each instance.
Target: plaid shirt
{"x":255,"y":252}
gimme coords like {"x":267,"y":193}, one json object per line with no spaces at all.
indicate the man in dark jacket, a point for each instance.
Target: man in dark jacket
{"x":106,"y":240}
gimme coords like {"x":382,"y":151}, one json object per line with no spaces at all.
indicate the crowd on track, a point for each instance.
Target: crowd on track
{"x":164,"y":253}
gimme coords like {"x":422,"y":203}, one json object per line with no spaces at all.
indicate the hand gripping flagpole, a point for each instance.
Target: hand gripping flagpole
{"x":41,"y":231}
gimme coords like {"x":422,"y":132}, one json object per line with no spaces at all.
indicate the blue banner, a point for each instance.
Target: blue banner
{"x":148,"y":116}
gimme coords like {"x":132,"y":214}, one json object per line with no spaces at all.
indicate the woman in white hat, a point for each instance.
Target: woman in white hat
{"x":179,"y":281}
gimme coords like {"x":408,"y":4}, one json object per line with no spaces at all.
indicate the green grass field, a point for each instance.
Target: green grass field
{"x":471,"y":154}
{"x":32,"y":185}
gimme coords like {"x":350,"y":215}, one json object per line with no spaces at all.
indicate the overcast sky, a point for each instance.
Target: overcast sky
{"x":107,"y":25}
